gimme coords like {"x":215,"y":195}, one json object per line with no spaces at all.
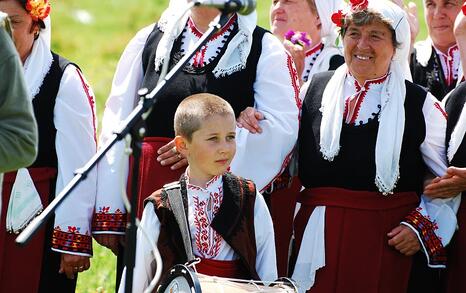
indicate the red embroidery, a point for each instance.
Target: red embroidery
{"x":199,"y":57}
{"x":432,"y":243}
{"x":439,"y":107}
{"x":104,"y":221}
{"x":91,"y":100}
{"x":294,"y":81}
{"x":71,"y":241}
{"x":314,"y":49}
{"x":208,"y":241}
{"x":199,"y":34}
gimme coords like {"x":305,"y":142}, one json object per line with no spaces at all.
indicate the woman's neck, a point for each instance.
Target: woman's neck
{"x":203,"y":16}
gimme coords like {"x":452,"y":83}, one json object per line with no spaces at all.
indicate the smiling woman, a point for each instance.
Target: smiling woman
{"x":366,"y":136}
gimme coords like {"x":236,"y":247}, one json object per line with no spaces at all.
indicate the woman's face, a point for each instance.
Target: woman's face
{"x":368,"y":50}
{"x":23,"y":26}
{"x":293,"y":15}
{"x":440,"y":18}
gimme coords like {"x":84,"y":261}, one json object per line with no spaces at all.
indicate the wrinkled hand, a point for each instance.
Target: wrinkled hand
{"x":404,"y":240}
{"x":411,"y":11}
{"x":169,"y":156}
{"x":449,"y":185}
{"x":72,"y":264}
{"x":110,"y":241}
{"x":298,"y":53}
{"x":249,"y":119}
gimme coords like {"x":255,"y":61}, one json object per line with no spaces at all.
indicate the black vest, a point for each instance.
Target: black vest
{"x":237,"y":88}
{"x":354,"y":166}
{"x":234,"y":222}
{"x":44,"y":104}
{"x":431,"y":76}
{"x":453,"y":107}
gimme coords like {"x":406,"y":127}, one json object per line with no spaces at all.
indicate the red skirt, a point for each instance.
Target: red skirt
{"x":152,"y":175}
{"x":283,"y":203}
{"x":357,"y":255}
{"x":20,"y":267}
{"x":456,"y":253}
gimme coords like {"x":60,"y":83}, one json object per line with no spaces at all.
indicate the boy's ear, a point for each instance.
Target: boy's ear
{"x":180,"y":144}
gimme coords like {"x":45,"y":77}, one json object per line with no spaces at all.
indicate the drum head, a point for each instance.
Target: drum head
{"x":180,"y":280}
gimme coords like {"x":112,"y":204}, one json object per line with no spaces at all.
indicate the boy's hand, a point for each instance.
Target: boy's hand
{"x":169,"y":156}
{"x":249,"y":119}
{"x":110,"y":241}
{"x":71,"y":264}
{"x":404,"y":240}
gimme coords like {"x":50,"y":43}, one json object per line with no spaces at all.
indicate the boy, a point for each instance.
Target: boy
{"x":230,"y":226}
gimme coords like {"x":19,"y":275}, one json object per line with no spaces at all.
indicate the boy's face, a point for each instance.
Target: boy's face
{"x":212,"y":147}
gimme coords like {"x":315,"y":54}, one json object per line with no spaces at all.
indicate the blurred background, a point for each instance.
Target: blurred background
{"x":93,"y":34}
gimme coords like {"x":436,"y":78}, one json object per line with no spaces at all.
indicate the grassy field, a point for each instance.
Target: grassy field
{"x":93,"y":34}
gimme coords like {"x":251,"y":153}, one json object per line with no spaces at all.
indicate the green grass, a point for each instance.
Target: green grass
{"x":96,"y":48}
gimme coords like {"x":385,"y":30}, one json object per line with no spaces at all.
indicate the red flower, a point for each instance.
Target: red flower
{"x":464,"y":9}
{"x":38,"y":9}
{"x":338,"y":18}
{"x":358,"y":5}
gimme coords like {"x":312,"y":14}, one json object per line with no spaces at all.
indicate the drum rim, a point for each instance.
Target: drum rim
{"x":180,"y":270}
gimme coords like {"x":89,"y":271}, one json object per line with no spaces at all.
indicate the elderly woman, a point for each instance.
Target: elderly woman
{"x":64,"y":108}
{"x":242,"y":63}
{"x":312,"y":18}
{"x":367,"y":134}
{"x":436,"y":61}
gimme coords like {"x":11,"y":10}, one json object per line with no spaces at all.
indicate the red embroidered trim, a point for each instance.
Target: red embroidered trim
{"x":71,"y":241}
{"x":208,"y":241}
{"x":209,"y":183}
{"x":199,"y":34}
{"x":314,"y":49}
{"x":439,"y":107}
{"x":294,"y":81}
{"x":432,"y":243}
{"x":105,"y":222}
{"x":91,"y":100}
{"x":199,"y":57}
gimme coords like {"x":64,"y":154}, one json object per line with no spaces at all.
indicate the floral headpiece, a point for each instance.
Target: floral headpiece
{"x":298,"y":38}
{"x":464,"y":8}
{"x":38,"y":9}
{"x":338,"y":17}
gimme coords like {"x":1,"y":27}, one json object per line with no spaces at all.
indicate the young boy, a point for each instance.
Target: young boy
{"x":230,"y":225}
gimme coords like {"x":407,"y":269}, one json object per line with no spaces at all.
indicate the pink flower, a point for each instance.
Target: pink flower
{"x":298,"y":38}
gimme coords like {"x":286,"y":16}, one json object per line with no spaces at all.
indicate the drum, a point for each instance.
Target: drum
{"x":185,"y":280}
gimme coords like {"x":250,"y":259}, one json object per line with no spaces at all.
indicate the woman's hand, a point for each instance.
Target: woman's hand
{"x":404,"y":240}
{"x":298,"y":53}
{"x":110,"y":241}
{"x":71,"y":264}
{"x":449,"y":185}
{"x":249,"y":119}
{"x":169,"y":156}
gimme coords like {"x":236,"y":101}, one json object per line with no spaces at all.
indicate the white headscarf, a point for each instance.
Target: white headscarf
{"x":392,"y":114}
{"x":38,"y":63}
{"x":325,"y":9}
{"x":236,"y":54}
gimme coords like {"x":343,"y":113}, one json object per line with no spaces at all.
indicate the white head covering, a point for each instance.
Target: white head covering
{"x":38,"y":63}
{"x":325,"y":9}
{"x":392,"y":114}
{"x":236,"y":54}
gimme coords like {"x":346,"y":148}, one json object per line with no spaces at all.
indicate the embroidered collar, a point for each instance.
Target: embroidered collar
{"x":450,"y":52}
{"x":227,"y":27}
{"x":211,"y":185}
{"x":314,"y":49}
{"x":368,"y":84}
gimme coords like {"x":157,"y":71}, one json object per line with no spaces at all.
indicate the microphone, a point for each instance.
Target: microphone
{"x":243,"y":7}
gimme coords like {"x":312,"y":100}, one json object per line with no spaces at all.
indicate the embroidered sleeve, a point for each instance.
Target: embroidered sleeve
{"x":71,"y":241}
{"x":108,"y":221}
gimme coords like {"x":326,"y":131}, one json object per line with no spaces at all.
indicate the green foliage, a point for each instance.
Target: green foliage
{"x":96,"y":46}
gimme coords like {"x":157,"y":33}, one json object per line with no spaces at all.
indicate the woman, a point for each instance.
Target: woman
{"x":64,"y":108}
{"x":313,"y":18}
{"x":366,"y":136}
{"x":242,"y":63}
{"x":436,"y":61}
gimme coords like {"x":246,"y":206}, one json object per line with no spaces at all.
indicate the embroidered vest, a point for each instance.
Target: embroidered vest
{"x":237,"y":88}
{"x":431,"y":76}
{"x":234,"y":222}
{"x":354,"y":166}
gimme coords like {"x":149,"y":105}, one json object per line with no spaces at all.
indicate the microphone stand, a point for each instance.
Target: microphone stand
{"x":132,"y":126}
